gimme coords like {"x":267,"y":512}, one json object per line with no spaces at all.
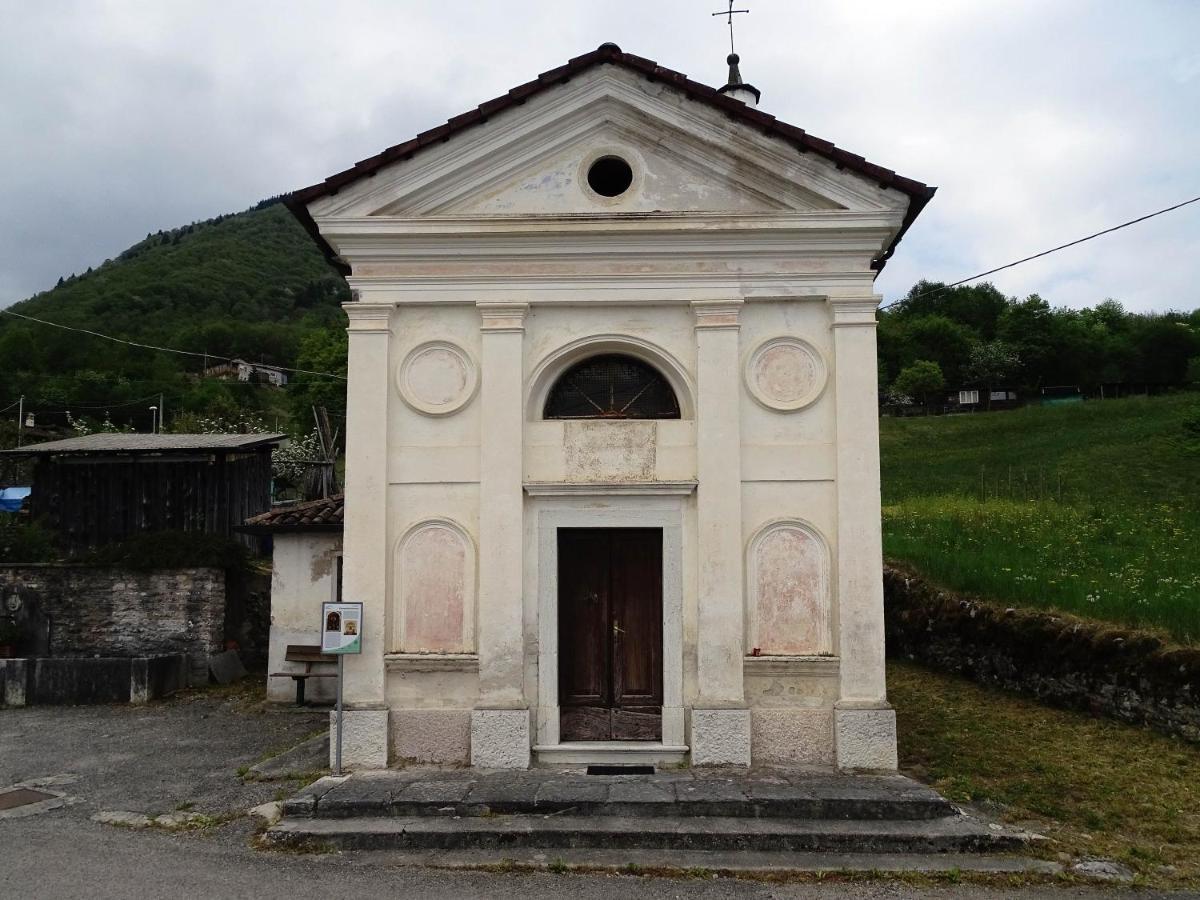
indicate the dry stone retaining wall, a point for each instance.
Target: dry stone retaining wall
{"x":93,"y":611}
{"x":1104,"y":669}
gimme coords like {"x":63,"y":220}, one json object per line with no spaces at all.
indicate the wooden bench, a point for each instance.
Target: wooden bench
{"x":308,"y":654}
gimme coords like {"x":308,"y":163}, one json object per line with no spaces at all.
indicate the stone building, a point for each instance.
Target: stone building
{"x":612,"y":485}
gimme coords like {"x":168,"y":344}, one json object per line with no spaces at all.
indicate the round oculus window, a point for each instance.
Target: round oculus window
{"x":610,"y":176}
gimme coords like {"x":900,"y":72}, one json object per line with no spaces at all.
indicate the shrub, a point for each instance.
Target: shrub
{"x":26,"y":542}
{"x":171,"y":550}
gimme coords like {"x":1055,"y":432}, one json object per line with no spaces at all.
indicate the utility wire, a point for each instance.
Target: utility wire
{"x":70,"y":404}
{"x":109,"y":337}
{"x":946,"y":287}
{"x":10,"y":406}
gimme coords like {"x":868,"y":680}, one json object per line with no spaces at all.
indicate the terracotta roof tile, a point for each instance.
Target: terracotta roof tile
{"x":327,"y":513}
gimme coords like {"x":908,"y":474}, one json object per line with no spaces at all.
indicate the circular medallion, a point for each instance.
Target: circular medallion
{"x":785,"y":374}
{"x":437,"y":378}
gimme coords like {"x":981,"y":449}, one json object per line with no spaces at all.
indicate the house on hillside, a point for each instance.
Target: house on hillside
{"x":612,"y":481}
{"x":975,"y":398}
{"x":240,"y":370}
{"x":306,"y":570}
{"x":101,"y":488}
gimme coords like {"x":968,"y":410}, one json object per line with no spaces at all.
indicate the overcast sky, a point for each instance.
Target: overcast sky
{"x":1039,"y":121}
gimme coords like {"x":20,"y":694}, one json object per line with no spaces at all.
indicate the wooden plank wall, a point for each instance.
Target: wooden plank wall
{"x":96,"y":500}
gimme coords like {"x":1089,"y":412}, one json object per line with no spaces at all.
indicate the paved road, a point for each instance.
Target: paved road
{"x":153,"y":759}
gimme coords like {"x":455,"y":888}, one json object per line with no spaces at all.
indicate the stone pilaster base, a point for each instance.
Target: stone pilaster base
{"x":720,"y":737}
{"x":365,"y":742}
{"x":500,"y":738}
{"x":865,"y":738}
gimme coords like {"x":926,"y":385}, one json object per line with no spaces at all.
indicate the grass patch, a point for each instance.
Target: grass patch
{"x":1088,"y":509}
{"x":1096,"y":787}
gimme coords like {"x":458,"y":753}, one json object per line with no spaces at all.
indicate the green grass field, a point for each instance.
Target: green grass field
{"x":1092,"y":509}
{"x":1095,"y":787}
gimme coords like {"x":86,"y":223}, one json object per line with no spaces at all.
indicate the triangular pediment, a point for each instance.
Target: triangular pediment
{"x":684,"y":157}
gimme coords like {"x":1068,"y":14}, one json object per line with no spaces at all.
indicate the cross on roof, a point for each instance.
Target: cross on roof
{"x":729,"y":14}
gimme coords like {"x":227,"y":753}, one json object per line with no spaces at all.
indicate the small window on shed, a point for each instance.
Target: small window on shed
{"x":611,"y":387}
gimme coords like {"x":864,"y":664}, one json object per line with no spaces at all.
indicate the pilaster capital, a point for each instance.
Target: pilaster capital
{"x":499,"y":316}
{"x":367,"y":317}
{"x":718,"y":314}
{"x":854,"y":311}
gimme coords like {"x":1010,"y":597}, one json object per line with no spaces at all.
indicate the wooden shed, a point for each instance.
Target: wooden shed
{"x":101,"y":488}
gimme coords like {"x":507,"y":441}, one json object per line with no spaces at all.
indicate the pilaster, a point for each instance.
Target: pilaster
{"x":365,"y":562}
{"x":500,"y":726}
{"x":865,"y":724}
{"x":720,"y":719}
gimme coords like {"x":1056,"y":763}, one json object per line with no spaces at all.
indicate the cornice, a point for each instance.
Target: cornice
{"x":499,"y":316}
{"x":792,"y":666}
{"x":431,"y":662}
{"x":608,"y":488}
{"x":718,"y":314}
{"x":854,"y":311}
{"x":366,"y":317}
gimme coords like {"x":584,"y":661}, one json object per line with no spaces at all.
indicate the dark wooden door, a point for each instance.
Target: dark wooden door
{"x":610,"y":634}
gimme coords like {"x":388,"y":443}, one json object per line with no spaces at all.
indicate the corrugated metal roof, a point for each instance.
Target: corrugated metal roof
{"x":919,"y":194}
{"x":326,"y":513}
{"x":148,"y":443}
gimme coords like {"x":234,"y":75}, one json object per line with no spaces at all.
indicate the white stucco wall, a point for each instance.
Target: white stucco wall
{"x":303,"y":569}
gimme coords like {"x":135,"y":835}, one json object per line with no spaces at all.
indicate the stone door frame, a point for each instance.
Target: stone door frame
{"x":611,"y":506}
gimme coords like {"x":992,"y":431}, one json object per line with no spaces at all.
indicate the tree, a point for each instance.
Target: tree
{"x":992,"y":363}
{"x":941,"y":340}
{"x":1193,"y":370}
{"x":921,"y":379}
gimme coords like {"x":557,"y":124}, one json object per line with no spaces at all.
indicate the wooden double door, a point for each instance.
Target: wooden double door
{"x":610,"y":673}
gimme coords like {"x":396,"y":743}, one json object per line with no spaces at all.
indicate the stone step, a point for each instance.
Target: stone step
{"x":826,"y":798}
{"x":698,"y":863}
{"x":952,"y":834}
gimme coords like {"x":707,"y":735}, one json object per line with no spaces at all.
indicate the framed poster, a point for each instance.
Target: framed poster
{"x":341,"y":627}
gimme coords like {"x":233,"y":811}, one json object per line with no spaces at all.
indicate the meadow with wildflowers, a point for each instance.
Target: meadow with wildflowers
{"x":1091,"y":509}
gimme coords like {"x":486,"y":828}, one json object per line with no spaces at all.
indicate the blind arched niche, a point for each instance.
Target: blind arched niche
{"x":611,"y":386}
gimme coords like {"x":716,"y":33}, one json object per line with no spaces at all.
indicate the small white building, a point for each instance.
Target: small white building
{"x":612,"y":484}
{"x":306,"y":571}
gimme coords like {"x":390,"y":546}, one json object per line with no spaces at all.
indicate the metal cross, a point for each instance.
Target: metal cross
{"x":729,"y":14}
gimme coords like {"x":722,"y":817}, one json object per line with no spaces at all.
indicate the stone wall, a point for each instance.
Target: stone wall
{"x":1103,"y":669}
{"x":84,"y":611}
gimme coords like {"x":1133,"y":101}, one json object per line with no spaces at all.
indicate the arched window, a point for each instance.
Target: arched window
{"x":611,"y":386}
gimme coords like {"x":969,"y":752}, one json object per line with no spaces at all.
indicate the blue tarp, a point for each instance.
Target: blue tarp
{"x":10,"y":498}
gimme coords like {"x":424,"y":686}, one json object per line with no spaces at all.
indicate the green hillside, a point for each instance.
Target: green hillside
{"x":250,"y":285}
{"x":1090,"y":508}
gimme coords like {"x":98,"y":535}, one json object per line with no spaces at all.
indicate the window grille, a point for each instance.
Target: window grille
{"x":611,"y":387}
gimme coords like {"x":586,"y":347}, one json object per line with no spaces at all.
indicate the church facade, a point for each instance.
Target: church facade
{"x":612,"y":480}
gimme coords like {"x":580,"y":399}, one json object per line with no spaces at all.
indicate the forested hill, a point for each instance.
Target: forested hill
{"x":250,"y":284}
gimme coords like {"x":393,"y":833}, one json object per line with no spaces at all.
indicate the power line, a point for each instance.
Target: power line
{"x":117,"y":340}
{"x":71,"y":404}
{"x":10,"y":406}
{"x":946,"y":287}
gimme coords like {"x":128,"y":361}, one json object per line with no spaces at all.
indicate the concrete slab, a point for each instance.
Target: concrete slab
{"x":311,"y":755}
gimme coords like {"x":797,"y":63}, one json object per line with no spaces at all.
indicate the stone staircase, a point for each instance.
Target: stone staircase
{"x":682,"y":817}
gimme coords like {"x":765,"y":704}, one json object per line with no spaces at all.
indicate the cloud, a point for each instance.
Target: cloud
{"x":1039,"y":122}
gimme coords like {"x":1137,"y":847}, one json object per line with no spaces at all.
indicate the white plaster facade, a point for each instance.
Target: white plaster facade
{"x":738,"y":267}
{"x":303,"y":576}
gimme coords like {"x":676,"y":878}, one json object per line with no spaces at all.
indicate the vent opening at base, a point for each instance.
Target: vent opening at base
{"x":620,"y":770}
